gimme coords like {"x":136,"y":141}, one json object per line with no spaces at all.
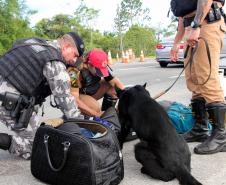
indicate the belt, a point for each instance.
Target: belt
{"x":187,"y":20}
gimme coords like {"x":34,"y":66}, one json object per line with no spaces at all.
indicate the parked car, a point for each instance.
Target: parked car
{"x":163,"y":52}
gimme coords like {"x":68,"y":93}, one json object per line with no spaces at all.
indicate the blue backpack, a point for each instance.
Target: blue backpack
{"x":181,"y":117}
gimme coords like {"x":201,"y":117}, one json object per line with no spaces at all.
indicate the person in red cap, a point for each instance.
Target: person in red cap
{"x":103,"y":82}
{"x":96,"y":80}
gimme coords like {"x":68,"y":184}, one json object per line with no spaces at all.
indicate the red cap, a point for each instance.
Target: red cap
{"x":99,"y":59}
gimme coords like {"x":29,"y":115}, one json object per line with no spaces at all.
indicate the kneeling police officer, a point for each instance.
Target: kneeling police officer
{"x":29,"y":72}
{"x":200,"y":22}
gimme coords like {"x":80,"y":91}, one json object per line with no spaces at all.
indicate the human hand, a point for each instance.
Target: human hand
{"x":193,"y":37}
{"x":174,"y":53}
{"x":99,"y":114}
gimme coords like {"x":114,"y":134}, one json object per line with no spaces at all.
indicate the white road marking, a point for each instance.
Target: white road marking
{"x":134,"y":68}
{"x":175,"y":76}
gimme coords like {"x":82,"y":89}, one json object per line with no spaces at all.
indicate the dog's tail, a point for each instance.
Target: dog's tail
{"x":185,"y":178}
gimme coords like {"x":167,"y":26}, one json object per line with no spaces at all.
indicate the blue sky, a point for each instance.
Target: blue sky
{"x":105,"y":21}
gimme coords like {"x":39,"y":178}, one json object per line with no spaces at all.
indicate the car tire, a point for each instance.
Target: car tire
{"x":163,"y":64}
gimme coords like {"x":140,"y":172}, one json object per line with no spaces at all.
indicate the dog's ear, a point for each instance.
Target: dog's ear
{"x":145,"y":85}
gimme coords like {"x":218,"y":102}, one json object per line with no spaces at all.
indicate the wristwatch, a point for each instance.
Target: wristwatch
{"x":195,"y":25}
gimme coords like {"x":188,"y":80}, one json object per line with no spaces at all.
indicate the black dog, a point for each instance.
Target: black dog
{"x":163,"y":153}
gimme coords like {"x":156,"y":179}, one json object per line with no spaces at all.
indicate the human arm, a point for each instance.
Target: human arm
{"x":59,"y":82}
{"x":86,"y":104}
{"x":203,"y":7}
{"x":179,"y":36}
{"x":115,"y":82}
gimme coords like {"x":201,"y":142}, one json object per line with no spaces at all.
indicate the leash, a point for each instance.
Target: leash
{"x":190,"y":61}
{"x":209,"y":60}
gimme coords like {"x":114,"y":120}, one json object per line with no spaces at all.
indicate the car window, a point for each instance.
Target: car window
{"x":167,"y":40}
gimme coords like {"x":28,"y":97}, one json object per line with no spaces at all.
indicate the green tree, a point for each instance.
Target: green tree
{"x":14,"y":23}
{"x":134,"y":12}
{"x":121,"y":25}
{"x":130,"y":12}
{"x":167,"y":31}
{"x":56,"y":26}
{"x":140,"y":38}
{"x":109,"y":42}
{"x":86,"y":17}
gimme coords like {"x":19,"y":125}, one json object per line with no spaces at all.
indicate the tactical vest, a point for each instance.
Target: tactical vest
{"x":87,"y":78}
{"x":181,"y":8}
{"x":22,"y":66}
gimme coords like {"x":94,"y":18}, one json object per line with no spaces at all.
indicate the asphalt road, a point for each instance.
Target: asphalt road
{"x":208,"y":169}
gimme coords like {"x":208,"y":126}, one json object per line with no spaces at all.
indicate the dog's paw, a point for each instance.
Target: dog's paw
{"x":167,"y":178}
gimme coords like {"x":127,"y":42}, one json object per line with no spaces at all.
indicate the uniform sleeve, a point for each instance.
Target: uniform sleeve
{"x":59,"y":82}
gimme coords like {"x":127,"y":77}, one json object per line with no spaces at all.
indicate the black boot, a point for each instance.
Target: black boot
{"x":108,"y":101}
{"x":5,"y":141}
{"x":217,"y":141}
{"x":200,"y":131}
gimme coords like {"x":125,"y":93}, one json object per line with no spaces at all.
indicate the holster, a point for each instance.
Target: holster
{"x":214,"y":14}
{"x":10,"y":101}
{"x":20,"y":107}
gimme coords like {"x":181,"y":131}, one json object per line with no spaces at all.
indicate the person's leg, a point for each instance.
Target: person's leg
{"x":108,"y":101}
{"x":20,"y":143}
{"x":5,"y":139}
{"x":90,"y":102}
{"x":200,"y":130}
{"x":212,"y":90}
{"x":217,"y":141}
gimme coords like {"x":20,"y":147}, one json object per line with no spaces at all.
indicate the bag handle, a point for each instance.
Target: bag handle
{"x":66,"y":147}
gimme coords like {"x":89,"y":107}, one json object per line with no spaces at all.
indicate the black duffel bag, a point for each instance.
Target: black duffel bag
{"x":63,"y":155}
